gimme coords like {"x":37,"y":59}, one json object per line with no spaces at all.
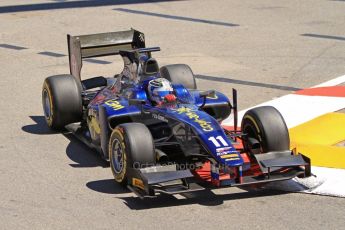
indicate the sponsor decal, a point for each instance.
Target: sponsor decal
{"x":233,"y":159}
{"x":231,"y":155}
{"x":116,"y":105}
{"x":94,"y":126}
{"x":206,"y":126}
{"x":138,"y":183}
{"x":159,"y":117}
{"x":221,"y":150}
{"x":226,"y":152}
{"x":141,"y":37}
{"x":74,"y":65}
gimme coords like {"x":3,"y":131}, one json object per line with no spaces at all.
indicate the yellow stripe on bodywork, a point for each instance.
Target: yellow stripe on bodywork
{"x":317,"y":140}
{"x":94,"y":125}
{"x":229,"y":155}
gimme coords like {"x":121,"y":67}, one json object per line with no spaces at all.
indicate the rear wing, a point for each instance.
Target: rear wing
{"x":97,"y":45}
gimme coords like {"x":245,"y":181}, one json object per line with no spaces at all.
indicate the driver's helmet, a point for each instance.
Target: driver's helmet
{"x":160,"y":89}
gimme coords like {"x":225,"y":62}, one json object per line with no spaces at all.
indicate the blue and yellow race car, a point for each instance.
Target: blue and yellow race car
{"x":158,"y":131}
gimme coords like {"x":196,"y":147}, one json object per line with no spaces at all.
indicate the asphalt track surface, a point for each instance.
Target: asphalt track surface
{"x":264,"y":49}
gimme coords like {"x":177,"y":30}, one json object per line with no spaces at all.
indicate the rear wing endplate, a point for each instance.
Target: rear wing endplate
{"x":102,"y":44}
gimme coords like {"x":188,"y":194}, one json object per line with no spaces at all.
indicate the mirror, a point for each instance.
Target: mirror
{"x":208,"y":93}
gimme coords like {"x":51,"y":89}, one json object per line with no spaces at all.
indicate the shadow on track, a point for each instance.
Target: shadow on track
{"x":205,"y":198}
{"x":83,"y":156}
{"x":108,"y":186}
{"x":40,"y":127}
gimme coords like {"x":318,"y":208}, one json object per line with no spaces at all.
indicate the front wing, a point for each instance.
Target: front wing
{"x":275,"y":166}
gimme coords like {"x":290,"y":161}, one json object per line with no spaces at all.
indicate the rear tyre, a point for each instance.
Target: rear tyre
{"x":61,"y":99}
{"x":130,"y":146}
{"x":179,"y":74}
{"x":267,"y":126}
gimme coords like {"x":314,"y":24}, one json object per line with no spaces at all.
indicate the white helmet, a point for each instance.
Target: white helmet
{"x":158,"y":88}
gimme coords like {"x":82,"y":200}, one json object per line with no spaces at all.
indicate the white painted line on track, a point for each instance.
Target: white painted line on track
{"x":333,"y":82}
{"x":297,"y":109}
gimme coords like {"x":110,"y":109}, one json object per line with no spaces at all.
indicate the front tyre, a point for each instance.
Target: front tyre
{"x":130,"y":146}
{"x":267,"y":126}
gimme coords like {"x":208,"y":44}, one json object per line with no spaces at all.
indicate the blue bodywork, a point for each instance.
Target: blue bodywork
{"x":185,"y":111}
